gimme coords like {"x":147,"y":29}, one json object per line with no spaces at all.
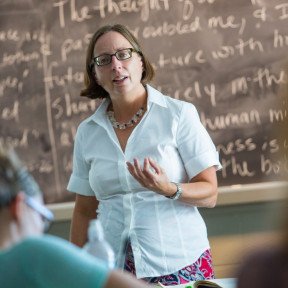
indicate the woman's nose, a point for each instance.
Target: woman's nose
{"x":115,"y":63}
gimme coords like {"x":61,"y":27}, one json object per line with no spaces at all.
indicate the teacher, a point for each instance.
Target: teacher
{"x":142,"y":164}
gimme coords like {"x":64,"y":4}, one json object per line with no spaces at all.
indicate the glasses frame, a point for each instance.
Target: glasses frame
{"x":46,"y":214}
{"x":95,"y":60}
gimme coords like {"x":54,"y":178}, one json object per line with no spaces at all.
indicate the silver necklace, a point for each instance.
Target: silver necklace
{"x":130,"y":123}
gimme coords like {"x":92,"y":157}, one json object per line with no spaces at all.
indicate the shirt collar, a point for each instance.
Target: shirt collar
{"x":154,"y":96}
{"x":100,"y":114}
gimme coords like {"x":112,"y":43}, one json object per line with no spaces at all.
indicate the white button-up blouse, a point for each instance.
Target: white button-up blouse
{"x":166,"y":235}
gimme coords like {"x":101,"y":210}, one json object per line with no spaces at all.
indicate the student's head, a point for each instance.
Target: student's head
{"x":94,"y":90}
{"x":9,"y":184}
{"x":21,"y":211}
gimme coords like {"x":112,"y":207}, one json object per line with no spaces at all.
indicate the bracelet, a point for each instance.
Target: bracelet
{"x":177,"y":194}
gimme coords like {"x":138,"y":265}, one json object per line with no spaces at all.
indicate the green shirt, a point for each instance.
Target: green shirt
{"x":50,"y":262}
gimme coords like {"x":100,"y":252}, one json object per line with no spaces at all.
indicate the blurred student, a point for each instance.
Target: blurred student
{"x":267,"y":267}
{"x":29,"y":259}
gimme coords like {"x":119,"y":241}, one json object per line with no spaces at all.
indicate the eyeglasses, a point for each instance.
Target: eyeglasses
{"x":46,"y":215}
{"x":106,"y":59}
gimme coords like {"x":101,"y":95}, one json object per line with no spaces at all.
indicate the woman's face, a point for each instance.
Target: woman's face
{"x":119,"y":77}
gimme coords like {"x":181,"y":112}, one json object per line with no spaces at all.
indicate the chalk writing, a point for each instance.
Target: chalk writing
{"x":261,"y":14}
{"x":70,"y":45}
{"x":78,"y":15}
{"x":70,"y":107}
{"x":185,"y":60}
{"x":170,"y":29}
{"x":239,"y":145}
{"x":193,"y":92}
{"x":279,"y":39}
{"x":270,"y":166}
{"x":229,"y":23}
{"x":271,"y":146}
{"x":230,"y":120}
{"x":8,"y":82}
{"x":61,"y":80}
{"x":43,"y":166}
{"x":105,"y":7}
{"x":236,"y":167}
{"x":283,"y":9}
{"x":9,"y":35}
{"x":263,"y":77}
{"x":137,"y":6}
{"x":15,"y":142}
{"x":241,"y":48}
{"x":188,"y":9}
{"x":19,"y":57}
{"x":10,"y":113}
{"x":278,"y":115}
{"x":67,"y":163}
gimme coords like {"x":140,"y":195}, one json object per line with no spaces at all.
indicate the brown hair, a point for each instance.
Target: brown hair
{"x":14,"y":177}
{"x":9,"y":181}
{"x":93,"y":90}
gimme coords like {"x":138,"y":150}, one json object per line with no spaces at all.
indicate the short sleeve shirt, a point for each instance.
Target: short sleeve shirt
{"x":165,"y":235}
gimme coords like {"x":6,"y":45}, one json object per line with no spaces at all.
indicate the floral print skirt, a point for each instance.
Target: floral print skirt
{"x":201,"y":269}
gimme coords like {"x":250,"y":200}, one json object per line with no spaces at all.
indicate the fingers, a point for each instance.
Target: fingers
{"x":138,"y":170}
{"x":155,"y":166}
{"x":148,"y":170}
{"x":143,"y":174}
{"x":135,"y":170}
{"x":150,"y":176}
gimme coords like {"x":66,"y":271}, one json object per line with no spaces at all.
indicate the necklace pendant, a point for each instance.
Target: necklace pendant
{"x":121,"y":126}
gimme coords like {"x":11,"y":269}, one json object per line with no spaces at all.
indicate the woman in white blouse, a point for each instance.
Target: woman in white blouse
{"x":142,"y":164}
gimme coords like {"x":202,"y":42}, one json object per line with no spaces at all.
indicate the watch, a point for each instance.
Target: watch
{"x":177,"y":194}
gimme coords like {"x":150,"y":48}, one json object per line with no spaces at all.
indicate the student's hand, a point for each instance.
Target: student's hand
{"x":151,"y":176}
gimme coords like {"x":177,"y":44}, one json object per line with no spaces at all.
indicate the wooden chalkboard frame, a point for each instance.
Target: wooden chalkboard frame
{"x":228,"y":195}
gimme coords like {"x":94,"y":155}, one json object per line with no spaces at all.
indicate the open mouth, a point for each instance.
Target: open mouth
{"x":120,"y":79}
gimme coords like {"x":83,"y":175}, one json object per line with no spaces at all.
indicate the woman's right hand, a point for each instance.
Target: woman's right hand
{"x":151,"y":176}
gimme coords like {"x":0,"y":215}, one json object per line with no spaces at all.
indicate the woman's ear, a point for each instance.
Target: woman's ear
{"x":16,"y":206}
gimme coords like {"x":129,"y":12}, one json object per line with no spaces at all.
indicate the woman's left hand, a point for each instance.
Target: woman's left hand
{"x":151,"y":176}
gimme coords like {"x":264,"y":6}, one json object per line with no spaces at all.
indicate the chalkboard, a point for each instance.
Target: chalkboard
{"x":224,"y":56}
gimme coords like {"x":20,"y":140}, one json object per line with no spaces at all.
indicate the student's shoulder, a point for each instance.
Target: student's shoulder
{"x":46,"y":243}
{"x":266,"y":255}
